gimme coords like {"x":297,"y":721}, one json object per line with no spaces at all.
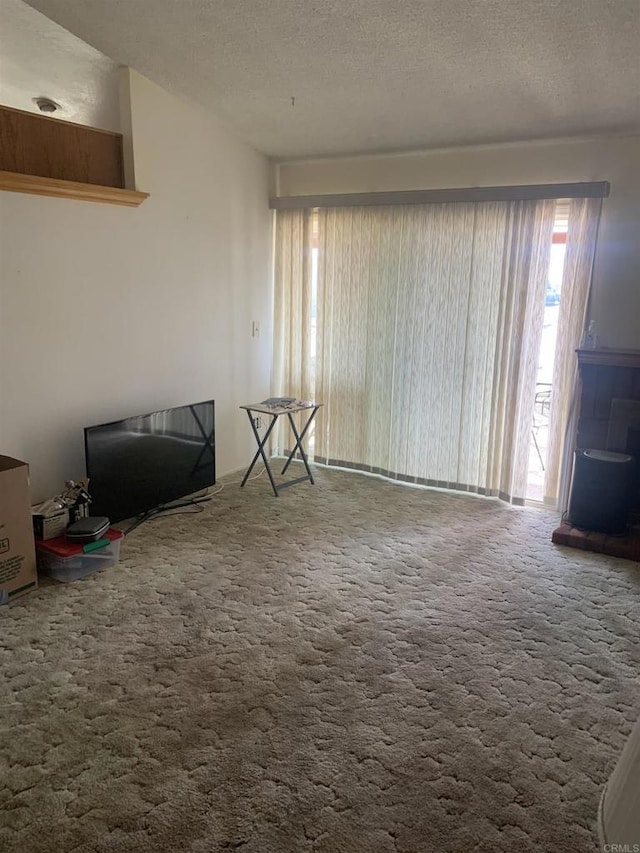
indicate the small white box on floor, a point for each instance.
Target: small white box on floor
{"x":66,"y":561}
{"x":49,"y":526}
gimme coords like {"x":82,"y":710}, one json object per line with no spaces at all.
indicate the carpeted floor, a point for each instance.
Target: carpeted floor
{"x":357,"y":667}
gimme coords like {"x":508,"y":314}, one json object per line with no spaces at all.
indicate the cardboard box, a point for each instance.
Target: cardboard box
{"x":50,"y":526}
{"x":17,"y":548}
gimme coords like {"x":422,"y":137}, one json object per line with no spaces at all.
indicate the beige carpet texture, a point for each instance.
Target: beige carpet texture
{"x":352,"y":667}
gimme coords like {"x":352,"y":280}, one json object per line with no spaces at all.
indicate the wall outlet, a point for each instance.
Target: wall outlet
{"x":255,"y":329}
{"x":257,"y":421}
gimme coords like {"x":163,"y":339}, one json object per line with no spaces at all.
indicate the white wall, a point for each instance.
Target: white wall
{"x":108,"y":311}
{"x":616,"y":281}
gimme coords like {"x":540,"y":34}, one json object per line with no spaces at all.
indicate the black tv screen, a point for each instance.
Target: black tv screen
{"x":142,"y":462}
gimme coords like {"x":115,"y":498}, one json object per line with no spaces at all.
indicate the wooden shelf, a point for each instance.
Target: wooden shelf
{"x":17,"y":183}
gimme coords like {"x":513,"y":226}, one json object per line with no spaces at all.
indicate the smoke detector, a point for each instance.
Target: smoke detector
{"x":46,"y":105}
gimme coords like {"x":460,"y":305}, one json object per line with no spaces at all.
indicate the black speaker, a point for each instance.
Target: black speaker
{"x":602,"y":490}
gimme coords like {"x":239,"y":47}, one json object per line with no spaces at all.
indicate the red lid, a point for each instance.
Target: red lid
{"x":63,"y":548}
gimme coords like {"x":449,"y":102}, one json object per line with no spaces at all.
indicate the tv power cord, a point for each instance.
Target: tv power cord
{"x":168,"y":510}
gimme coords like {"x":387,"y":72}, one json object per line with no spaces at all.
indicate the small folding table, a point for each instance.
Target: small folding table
{"x":275,"y":410}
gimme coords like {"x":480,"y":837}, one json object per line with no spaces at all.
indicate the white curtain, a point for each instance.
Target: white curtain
{"x":519,"y":335}
{"x":429,"y":319}
{"x":292,"y":365}
{"x":428,"y":328}
{"x":582,"y":233}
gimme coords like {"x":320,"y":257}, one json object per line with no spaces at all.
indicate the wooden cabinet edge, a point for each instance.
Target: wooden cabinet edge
{"x":15,"y":182}
{"x":609,"y":357}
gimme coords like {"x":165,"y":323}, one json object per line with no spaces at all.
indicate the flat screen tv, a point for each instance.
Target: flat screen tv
{"x":140,"y":463}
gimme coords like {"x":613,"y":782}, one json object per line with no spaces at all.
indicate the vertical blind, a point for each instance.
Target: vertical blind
{"x":292,"y":367}
{"x":428,"y":329}
{"x":583,"y":218}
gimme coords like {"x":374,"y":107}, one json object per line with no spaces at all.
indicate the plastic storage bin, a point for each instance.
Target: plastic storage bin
{"x":66,"y":561}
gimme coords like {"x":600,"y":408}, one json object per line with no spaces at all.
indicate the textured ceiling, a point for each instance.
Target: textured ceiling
{"x":41,"y":59}
{"x":300,"y":78}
